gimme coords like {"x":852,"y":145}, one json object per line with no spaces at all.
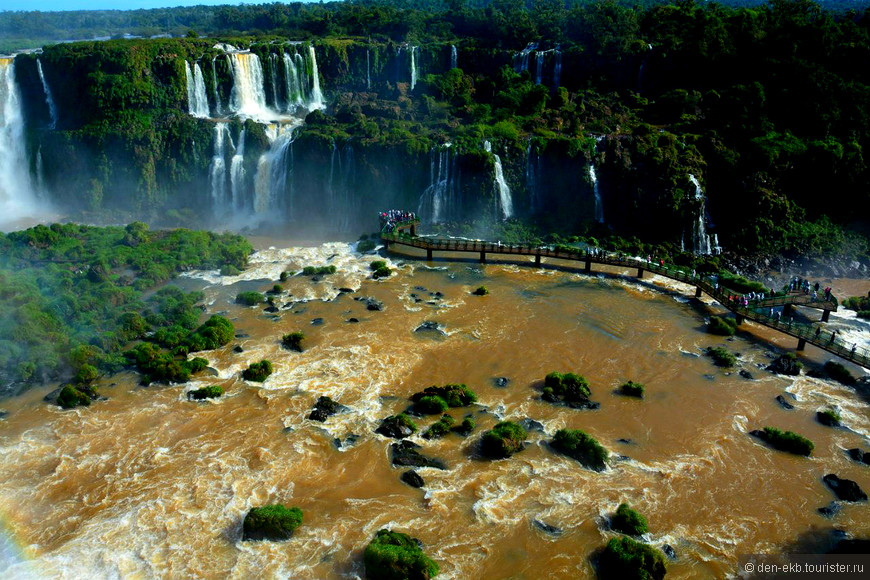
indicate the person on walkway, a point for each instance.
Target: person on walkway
{"x":833,"y":336}
{"x":818,"y":331}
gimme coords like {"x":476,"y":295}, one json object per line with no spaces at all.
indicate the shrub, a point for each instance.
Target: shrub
{"x":481,"y":291}
{"x":627,"y":521}
{"x":160,"y":366}
{"x":627,"y":558}
{"x":740,"y":284}
{"x":431,"y":405}
{"x":857,"y":303}
{"x":455,"y":395}
{"x":86,"y":374}
{"x":365,"y":246}
{"x":464,"y":428}
{"x":271,"y":522}
{"x":567,"y":387}
{"x":786,"y":441}
{"x":397,"y":556}
{"x":839,"y":373}
{"x":722,"y":326}
{"x":209,"y":392}
{"x":379,"y":269}
{"x":503,"y":440}
{"x":318,"y":270}
{"x":258,"y":372}
{"x":229,"y":270}
{"x":276,"y":289}
{"x":828,"y":417}
{"x":377,"y":265}
{"x":440,"y":428}
{"x":71,"y":397}
{"x":721,"y":357}
{"x":631,"y":389}
{"x":214,"y":333}
{"x":397,"y":426}
{"x":250,"y":298}
{"x":293,"y":341}
{"x":582,"y":447}
{"x":284,"y":275}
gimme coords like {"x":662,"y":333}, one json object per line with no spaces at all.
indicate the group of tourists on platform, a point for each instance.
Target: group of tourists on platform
{"x":393,"y":217}
{"x":801,"y":285}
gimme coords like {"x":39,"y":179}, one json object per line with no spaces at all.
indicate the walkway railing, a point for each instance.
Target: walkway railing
{"x":755,"y":311}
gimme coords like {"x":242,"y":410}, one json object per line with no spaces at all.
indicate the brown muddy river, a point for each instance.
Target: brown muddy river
{"x":148,"y":484}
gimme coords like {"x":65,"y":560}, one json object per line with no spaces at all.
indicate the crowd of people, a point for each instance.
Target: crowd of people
{"x":798,"y":284}
{"x":392,"y":217}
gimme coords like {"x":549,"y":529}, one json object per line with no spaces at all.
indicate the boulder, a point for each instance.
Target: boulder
{"x":353,"y":320}
{"x":405,"y":454}
{"x":532,"y":425}
{"x":844,"y":489}
{"x":316,"y":321}
{"x":412,"y":478}
{"x":830,"y":510}
{"x":238,"y":349}
{"x":669,"y":551}
{"x":859,"y":456}
{"x":346,"y":442}
{"x":371,"y":303}
{"x":547,"y":528}
{"x":325,"y":407}
{"x":786,"y":365}
{"x":501,"y":382}
{"x":783,"y":403}
{"x":396,"y":426}
{"x":746,"y":374}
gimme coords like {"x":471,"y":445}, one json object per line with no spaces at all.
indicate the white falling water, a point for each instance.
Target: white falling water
{"x":214,"y":85}
{"x":301,"y":75}
{"x":533,"y":171}
{"x":270,"y":182}
{"x":700,"y":240}
{"x":17,"y":196}
{"x":521,"y":59}
{"x":435,"y":203}
{"x":248,"y":97}
{"x":291,"y":83}
{"x":557,"y":69}
{"x":316,"y":94}
{"x":505,"y":202}
{"x":454,"y":56}
{"x":52,"y":109}
{"x":599,"y":206}
{"x":197,"y":101}
{"x":237,"y":174}
{"x":539,"y":66}
{"x":414,"y":67}
{"x":368,"y":70}
{"x":217,"y":171}
{"x":273,"y":78}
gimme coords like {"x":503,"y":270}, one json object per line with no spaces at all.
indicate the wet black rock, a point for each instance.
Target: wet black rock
{"x":325,"y":407}
{"x":4,"y":414}
{"x":412,"y":478}
{"x":830,"y":510}
{"x":271,"y":309}
{"x":242,"y":335}
{"x":786,"y":364}
{"x":783,"y":403}
{"x":405,"y":454}
{"x":746,"y":374}
{"x":669,"y":551}
{"x":287,"y":430}
{"x":852,"y":546}
{"x":238,"y":349}
{"x":353,"y":320}
{"x":347,"y":442}
{"x":532,"y":425}
{"x":844,"y":489}
{"x":420,"y":288}
{"x":431,"y":327}
{"x":547,"y":528}
{"x":625,"y":441}
{"x":394,"y":427}
{"x":316,"y":321}
{"x":438,"y":295}
{"x":344,"y":290}
{"x":859,"y":456}
{"x":501,"y":382}
{"x":828,"y":419}
{"x":372,"y":304}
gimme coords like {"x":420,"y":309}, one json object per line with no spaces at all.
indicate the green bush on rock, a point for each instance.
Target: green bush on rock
{"x":628,"y":521}
{"x":721,"y":357}
{"x":440,"y":428}
{"x":365,"y":246}
{"x":465,"y":428}
{"x":209,"y":392}
{"x":271,"y":522}
{"x":839,"y":373}
{"x":214,"y":333}
{"x":454,"y":394}
{"x":258,"y":372}
{"x":631,"y":389}
{"x":379,"y":269}
{"x":250,"y":298}
{"x":70,"y":397}
{"x":722,"y":326}
{"x":503,"y":440}
{"x":785,"y":441}
{"x":318,"y":270}
{"x":626,"y":558}
{"x":293,"y":341}
{"x":430,"y":405}
{"x":481,"y":291}
{"x":566,"y":388}
{"x":397,"y":556}
{"x":582,"y":447}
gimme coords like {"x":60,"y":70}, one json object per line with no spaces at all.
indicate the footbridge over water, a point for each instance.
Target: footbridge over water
{"x":765,"y":311}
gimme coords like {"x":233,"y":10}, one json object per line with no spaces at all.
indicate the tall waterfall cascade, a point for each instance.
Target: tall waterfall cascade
{"x":599,"y":206}
{"x":521,"y":59}
{"x":217,"y":169}
{"x":505,"y":204}
{"x":414,"y":51}
{"x":368,"y":69}
{"x":214,"y":86}
{"x":237,"y":174}
{"x":339,"y":189}
{"x":454,"y":56}
{"x":700,"y":240}
{"x":533,"y":177}
{"x":248,"y":96}
{"x":316,"y":94}
{"x":438,"y":202}
{"x":49,"y":100}
{"x":18,"y":197}
{"x":540,"y":59}
{"x":270,"y":182}
{"x":197,"y":100}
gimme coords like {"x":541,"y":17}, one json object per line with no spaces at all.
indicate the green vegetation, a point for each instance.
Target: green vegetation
{"x":276,"y":289}
{"x":860,"y":304}
{"x":453,"y":394}
{"x":379,"y":269}
{"x":318,"y":270}
{"x":293,"y":340}
{"x":397,"y":426}
{"x":721,"y":356}
{"x":214,"y":333}
{"x":465,"y":428}
{"x":503,"y":440}
{"x":829,"y":417}
{"x":74,"y":295}
{"x":70,"y":397}
{"x":582,"y":447}
{"x":722,"y":326}
{"x":209,"y":392}
{"x":271,"y":522}
{"x":786,"y":441}
{"x":440,"y":428}
{"x":839,"y":373}
{"x":481,"y":291}
{"x":631,"y":389}
{"x":365,"y":246}
{"x":397,"y":556}
{"x":740,"y":284}
{"x":250,"y":298}
{"x":258,"y":372}
{"x":430,"y":405}
{"x":628,"y":521}
{"x":566,"y":387}
{"x":627,"y":558}
{"x":159,"y":366}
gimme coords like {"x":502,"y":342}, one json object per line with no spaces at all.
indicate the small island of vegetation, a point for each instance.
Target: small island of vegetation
{"x":271,"y":522}
{"x":397,"y":556}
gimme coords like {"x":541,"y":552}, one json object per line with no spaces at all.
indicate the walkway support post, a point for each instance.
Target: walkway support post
{"x":739,"y":319}
{"x":801,"y":343}
{"x":826,"y":315}
{"x":697,"y":291}
{"x":428,"y":254}
{"x":588,"y":263}
{"x":786,"y":309}
{"x":640,"y":272}
{"x":413,"y":229}
{"x":482,"y":257}
{"x":537,"y":259}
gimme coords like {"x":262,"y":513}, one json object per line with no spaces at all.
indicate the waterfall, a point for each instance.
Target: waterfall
{"x":301,"y":76}
{"x":700,"y":240}
{"x":270,"y":182}
{"x":454,"y":57}
{"x":504,"y":200}
{"x":533,"y":175}
{"x":291,"y":83}
{"x":214,"y":85}
{"x":521,"y":59}
{"x":248,"y":97}
{"x":347,"y":170}
{"x":557,"y":69}
{"x":413,"y":67}
{"x":368,"y":70}
{"x":316,"y":95}
{"x":237,"y":174}
{"x":273,"y":78}
{"x":539,"y":65}
{"x":330,"y":188}
{"x":437,"y":203}
{"x":17,"y":195}
{"x":599,"y":206}
{"x":197,"y":101}
{"x":217,"y":171}
{"x":52,"y":110}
